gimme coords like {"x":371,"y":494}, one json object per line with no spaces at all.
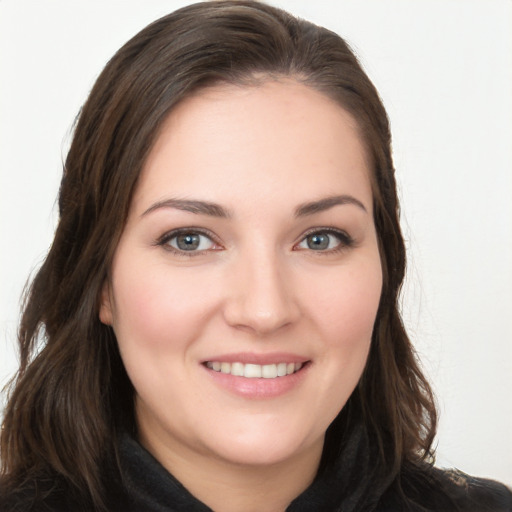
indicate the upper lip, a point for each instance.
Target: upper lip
{"x":255,"y":358}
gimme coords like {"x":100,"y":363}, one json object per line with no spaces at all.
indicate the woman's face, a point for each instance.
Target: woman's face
{"x":246,"y":283}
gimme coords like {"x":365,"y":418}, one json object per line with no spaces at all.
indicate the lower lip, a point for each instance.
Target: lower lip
{"x":258,"y":388}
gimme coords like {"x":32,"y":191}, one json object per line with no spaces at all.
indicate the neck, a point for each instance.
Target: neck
{"x":230,"y":487}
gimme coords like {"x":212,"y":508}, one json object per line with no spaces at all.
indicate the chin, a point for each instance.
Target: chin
{"x":264,"y":446}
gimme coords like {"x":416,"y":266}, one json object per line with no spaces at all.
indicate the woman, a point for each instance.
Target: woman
{"x":219,"y":304}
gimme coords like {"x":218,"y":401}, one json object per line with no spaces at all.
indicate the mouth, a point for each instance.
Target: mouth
{"x":255,"y":371}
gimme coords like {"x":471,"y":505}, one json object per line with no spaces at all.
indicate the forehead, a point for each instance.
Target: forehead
{"x":280,"y":138}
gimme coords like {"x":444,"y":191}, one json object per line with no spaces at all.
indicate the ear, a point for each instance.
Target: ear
{"x":105,"y":312}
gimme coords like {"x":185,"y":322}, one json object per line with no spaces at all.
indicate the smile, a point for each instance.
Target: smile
{"x":254,"y":371}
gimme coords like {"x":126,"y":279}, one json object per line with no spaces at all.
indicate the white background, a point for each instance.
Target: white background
{"x":444,"y":70}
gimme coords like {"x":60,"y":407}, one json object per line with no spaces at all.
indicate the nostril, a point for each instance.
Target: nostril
{"x":260,"y":297}
{"x":246,"y":315}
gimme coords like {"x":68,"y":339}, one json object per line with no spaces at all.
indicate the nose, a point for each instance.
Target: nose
{"x":260,"y":295}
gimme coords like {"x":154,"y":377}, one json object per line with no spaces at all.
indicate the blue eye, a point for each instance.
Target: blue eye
{"x":325,"y":240}
{"x":188,"y":241}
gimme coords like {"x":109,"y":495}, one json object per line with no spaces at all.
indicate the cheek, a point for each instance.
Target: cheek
{"x":157,"y":316}
{"x":155,"y":307}
{"x":344,"y":307}
{"x":347,"y":305}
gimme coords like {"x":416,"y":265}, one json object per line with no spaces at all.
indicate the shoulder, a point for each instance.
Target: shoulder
{"x":426,"y":488}
{"x":31,"y":498}
{"x":478,"y":494}
{"x":43,"y":495}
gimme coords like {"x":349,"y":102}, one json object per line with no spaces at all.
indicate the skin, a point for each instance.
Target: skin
{"x":254,"y":286}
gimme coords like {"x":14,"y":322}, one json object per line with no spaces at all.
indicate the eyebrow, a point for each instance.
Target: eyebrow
{"x":326,"y":203}
{"x":192,"y":206}
{"x":216,"y":210}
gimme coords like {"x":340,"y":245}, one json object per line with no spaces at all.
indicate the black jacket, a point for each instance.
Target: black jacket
{"x":349,"y":485}
{"x":341,"y":489}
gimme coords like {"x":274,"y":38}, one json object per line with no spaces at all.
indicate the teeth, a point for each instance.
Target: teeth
{"x":269,"y":371}
{"x":237,"y":369}
{"x":255,"y":371}
{"x":252,"y":371}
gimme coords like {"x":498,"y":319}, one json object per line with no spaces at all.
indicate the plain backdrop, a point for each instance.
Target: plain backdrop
{"x":444,"y":71}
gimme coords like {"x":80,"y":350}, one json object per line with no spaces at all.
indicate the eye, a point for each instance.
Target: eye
{"x":325,"y":240}
{"x":187,"y":241}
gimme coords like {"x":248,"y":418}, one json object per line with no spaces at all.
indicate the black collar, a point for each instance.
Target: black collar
{"x":351,"y":484}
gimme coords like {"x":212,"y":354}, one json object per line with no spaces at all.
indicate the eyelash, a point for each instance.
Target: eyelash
{"x":164,"y":240}
{"x":345,"y":240}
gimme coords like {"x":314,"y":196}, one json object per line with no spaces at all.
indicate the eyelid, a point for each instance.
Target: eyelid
{"x":346,"y":240}
{"x":163,"y":240}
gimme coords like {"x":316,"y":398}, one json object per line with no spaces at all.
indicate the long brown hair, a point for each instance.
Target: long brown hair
{"x":71,"y":395}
